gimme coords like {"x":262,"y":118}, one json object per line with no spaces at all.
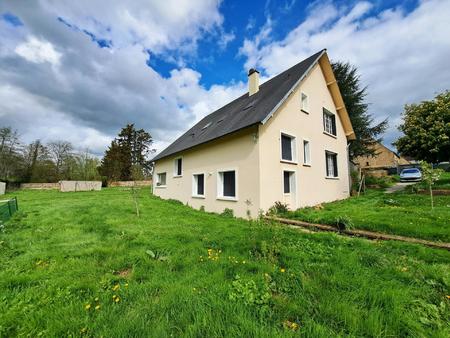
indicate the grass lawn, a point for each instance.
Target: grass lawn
{"x":400,"y":213}
{"x":82,"y":264}
{"x":443,"y":183}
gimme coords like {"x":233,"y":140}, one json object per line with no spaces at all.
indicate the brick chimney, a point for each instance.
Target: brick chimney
{"x":253,"y":81}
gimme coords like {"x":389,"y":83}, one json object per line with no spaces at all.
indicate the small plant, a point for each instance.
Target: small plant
{"x":157,"y":255}
{"x":279,"y":208}
{"x":250,"y":292}
{"x":227,"y":213}
{"x":391,"y":202}
{"x":344,"y":222}
{"x":202,"y":208}
{"x":430,"y":176}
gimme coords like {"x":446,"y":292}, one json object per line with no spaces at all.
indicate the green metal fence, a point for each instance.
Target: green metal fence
{"x":8,"y":208}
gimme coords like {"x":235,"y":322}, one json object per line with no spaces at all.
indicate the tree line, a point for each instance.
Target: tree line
{"x":39,"y":162}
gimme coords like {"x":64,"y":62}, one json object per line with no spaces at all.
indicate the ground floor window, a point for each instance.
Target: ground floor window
{"x":227,"y":184}
{"x":161,"y":179}
{"x":288,"y":181}
{"x":331,"y":164}
{"x":199,"y":185}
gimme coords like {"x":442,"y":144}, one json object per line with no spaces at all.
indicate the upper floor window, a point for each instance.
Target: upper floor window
{"x":161,"y":180}
{"x":304,"y":103}
{"x":331,"y":164}
{"x":288,"y":148}
{"x":329,"y":122}
{"x":178,"y":167}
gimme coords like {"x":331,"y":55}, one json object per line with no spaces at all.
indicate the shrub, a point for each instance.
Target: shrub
{"x":279,"y":208}
{"x":227,"y":213}
{"x":344,"y":222}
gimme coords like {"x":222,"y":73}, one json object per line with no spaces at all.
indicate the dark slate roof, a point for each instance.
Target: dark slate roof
{"x":243,"y":112}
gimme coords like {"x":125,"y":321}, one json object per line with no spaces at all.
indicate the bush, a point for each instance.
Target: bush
{"x":227,"y":213}
{"x":279,"y":208}
{"x":344,"y":223}
{"x":382,"y":182}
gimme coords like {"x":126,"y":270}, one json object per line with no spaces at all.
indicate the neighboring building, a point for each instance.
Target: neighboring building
{"x":384,"y":159}
{"x":285,"y":140}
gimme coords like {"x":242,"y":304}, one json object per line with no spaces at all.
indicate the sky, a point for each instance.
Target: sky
{"x":81,"y":70}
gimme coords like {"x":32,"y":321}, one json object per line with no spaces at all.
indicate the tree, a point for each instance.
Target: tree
{"x":426,"y":129}
{"x":37,"y":164}
{"x":354,"y":95}
{"x":60,"y":152}
{"x":10,"y":159}
{"x":129,"y":150}
{"x":430,"y":176}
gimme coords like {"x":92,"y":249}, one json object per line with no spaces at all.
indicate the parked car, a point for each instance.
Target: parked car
{"x":410,"y":175}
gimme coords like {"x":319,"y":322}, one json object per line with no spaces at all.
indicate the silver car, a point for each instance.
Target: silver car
{"x":410,"y":175}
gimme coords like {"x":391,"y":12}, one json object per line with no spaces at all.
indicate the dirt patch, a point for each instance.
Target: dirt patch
{"x":125,"y":273}
{"x":435,"y":192}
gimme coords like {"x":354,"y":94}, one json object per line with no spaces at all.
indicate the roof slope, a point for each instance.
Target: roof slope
{"x":243,"y":112}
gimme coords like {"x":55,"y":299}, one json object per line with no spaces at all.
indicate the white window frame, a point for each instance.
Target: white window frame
{"x":328,"y":152}
{"x":194,"y":185}
{"x":219,"y":176}
{"x":307,"y":163}
{"x":329,"y":130}
{"x":292,"y":182}
{"x":293,"y":147}
{"x":158,"y":179}
{"x":175,"y":166}
{"x":304,"y":108}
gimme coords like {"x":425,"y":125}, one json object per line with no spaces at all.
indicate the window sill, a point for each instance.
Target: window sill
{"x":288,"y":162}
{"x":225,"y":198}
{"x":307,"y":164}
{"x":331,"y":178}
{"x":304,"y":111}
{"x":199,"y":196}
{"x":177,"y":176}
{"x":331,"y":135}
{"x":160,"y":186}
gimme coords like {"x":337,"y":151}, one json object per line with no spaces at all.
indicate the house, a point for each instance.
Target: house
{"x":285,"y":140}
{"x":384,"y":159}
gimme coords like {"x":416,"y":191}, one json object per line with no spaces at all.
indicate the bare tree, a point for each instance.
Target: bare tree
{"x":60,"y":152}
{"x":9,"y":151}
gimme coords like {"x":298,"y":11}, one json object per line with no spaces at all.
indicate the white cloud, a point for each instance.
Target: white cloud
{"x":38,"y":51}
{"x":401,"y":56}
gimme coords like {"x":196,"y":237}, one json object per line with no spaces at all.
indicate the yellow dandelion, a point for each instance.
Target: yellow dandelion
{"x":83,"y":330}
{"x":283,"y":270}
{"x":126,"y":285}
{"x":97,"y":307}
{"x":114,"y":297}
{"x":448,"y":296}
{"x":96,"y":299}
{"x":116,"y":287}
{"x":117,"y":299}
{"x":87,"y":306}
{"x":243,"y":262}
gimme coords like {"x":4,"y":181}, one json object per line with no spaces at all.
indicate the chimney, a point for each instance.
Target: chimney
{"x":253,"y":81}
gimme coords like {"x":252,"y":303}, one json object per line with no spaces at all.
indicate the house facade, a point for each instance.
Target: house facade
{"x":285,"y":140}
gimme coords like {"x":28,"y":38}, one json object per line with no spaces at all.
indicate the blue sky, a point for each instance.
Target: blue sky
{"x":163,"y":65}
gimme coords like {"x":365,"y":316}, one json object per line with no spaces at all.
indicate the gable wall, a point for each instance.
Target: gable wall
{"x":238,"y":152}
{"x":312,"y":187}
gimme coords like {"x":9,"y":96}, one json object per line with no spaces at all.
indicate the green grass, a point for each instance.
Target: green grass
{"x":400,"y":213}
{"x":443,"y":183}
{"x":63,"y":251}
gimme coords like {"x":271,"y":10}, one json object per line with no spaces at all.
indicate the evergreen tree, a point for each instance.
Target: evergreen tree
{"x":354,"y":95}
{"x":130,"y":150}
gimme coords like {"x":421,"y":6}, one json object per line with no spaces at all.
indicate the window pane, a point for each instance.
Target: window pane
{"x":179,"y":167}
{"x":335,"y":167}
{"x":287,"y":182}
{"x":229,"y":184}
{"x":286,"y":148}
{"x":162,"y":179}
{"x":200,"y":184}
{"x":306,"y":156}
{"x":304,"y":102}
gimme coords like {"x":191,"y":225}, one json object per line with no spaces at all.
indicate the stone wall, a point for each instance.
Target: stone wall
{"x":146,"y":183}
{"x":67,"y":186}
{"x":40,"y":186}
